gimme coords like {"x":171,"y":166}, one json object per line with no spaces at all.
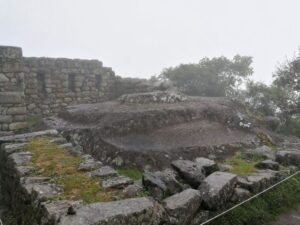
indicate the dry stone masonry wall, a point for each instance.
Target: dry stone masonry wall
{"x":12,"y":98}
{"x":52,"y":84}
{"x":187,"y":193}
{"x":44,"y":86}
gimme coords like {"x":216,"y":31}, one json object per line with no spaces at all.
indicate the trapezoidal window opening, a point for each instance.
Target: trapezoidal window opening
{"x":98,"y":82}
{"x":71,"y":82}
{"x":41,"y":82}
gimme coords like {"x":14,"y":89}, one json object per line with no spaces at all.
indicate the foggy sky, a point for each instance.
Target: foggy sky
{"x":139,"y":38}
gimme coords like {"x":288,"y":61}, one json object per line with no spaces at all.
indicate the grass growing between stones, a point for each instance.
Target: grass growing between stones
{"x":265,"y":208}
{"x":52,"y":161}
{"x":240,"y":166}
{"x":133,"y":173}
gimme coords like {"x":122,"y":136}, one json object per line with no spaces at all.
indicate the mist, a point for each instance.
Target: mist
{"x":139,"y":38}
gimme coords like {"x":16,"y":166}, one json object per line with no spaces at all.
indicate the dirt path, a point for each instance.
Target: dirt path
{"x":290,"y":218}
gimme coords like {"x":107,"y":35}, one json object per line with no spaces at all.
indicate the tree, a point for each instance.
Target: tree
{"x":210,"y":77}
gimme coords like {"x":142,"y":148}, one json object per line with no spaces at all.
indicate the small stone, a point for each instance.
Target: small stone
{"x":21,"y":158}
{"x":131,"y":191}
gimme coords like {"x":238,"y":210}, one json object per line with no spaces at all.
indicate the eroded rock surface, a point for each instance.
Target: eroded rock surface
{"x":217,"y":189}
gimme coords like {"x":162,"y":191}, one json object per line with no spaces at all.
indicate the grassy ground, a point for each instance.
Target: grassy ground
{"x":133,"y":173}
{"x":52,"y":161}
{"x":266,"y":208}
{"x":240,"y":166}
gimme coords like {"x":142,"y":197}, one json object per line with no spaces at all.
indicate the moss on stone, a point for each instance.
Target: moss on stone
{"x":240,"y":166}
{"x":52,"y":161}
{"x":133,"y":173}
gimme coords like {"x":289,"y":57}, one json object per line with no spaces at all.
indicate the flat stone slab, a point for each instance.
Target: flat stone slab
{"x":135,"y":211}
{"x":104,"y":172}
{"x":217,"y":189}
{"x":288,"y":157}
{"x":11,"y":148}
{"x":43,"y":191}
{"x":24,"y":137}
{"x":89,"y":164}
{"x":181,"y":207}
{"x":117,"y":182}
{"x":190,"y":171}
{"x":208,"y":165}
{"x":21,"y":158}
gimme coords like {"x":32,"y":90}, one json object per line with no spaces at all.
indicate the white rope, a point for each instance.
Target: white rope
{"x":249,"y":199}
{"x":1,"y":222}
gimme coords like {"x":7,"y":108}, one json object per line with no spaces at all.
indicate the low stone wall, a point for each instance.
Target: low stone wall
{"x":188,"y":193}
{"x":12,"y":98}
{"x":52,"y":84}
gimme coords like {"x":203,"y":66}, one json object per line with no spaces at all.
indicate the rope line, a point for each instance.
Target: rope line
{"x":1,"y":222}
{"x":249,"y":199}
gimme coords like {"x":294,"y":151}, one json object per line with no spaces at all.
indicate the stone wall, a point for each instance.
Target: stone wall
{"x":12,"y":104}
{"x":52,"y":84}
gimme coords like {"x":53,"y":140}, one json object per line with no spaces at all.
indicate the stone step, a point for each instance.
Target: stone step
{"x":117,"y":182}
{"x":104,"y":172}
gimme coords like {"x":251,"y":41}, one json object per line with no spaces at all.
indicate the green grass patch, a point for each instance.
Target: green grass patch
{"x":265,"y":208}
{"x":240,"y":166}
{"x":133,"y":173}
{"x":51,"y":161}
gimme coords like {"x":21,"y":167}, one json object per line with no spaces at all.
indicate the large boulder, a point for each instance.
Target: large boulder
{"x":171,"y":180}
{"x":154,"y":184}
{"x":288,"y":157}
{"x":135,"y":211}
{"x":217,"y":189}
{"x":181,"y":207}
{"x":190,"y":171}
{"x":208,"y":165}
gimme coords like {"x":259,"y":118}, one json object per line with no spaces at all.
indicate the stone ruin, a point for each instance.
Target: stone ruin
{"x":188,"y":192}
{"x":179,"y":143}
